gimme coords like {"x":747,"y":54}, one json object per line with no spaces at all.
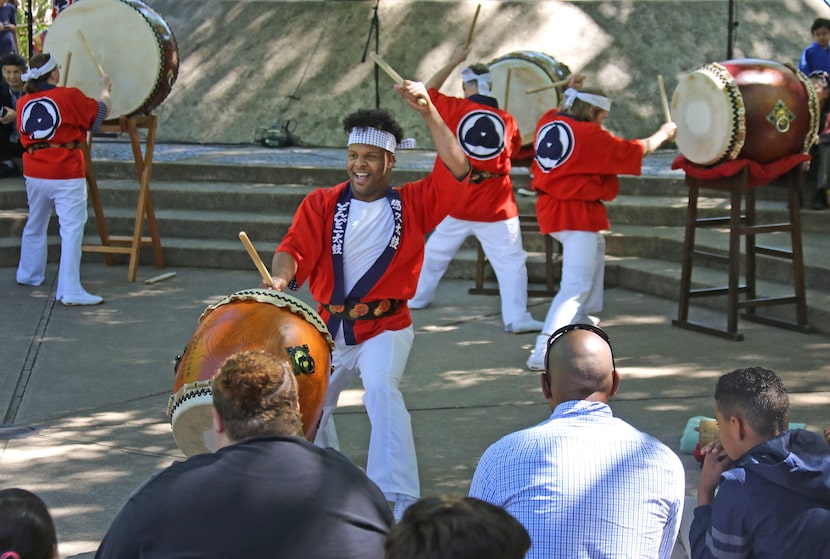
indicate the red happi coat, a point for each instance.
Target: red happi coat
{"x":575,"y":169}
{"x":309,"y":240}
{"x":489,"y":137}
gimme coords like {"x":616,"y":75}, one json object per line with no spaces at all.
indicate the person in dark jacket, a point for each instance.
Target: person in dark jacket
{"x":773,"y":484}
{"x":267,"y":492}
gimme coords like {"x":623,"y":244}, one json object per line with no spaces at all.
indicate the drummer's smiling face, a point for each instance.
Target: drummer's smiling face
{"x":369,"y":169}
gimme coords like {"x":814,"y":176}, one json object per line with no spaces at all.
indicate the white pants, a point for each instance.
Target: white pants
{"x":583,"y":275}
{"x":69,"y":199}
{"x":380,"y":361}
{"x":501,"y":242}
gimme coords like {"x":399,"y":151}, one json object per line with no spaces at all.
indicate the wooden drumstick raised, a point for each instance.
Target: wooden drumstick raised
{"x":663,"y":98}
{"x":66,"y":68}
{"x":472,"y":27}
{"x":507,"y":90}
{"x":391,"y":73}
{"x":90,"y":53}
{"x":553,"y":85}
{"x":263,"y":271}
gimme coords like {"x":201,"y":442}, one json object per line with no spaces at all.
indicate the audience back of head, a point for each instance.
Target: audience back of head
{"x":452,"y":527}
{"x":26,"y":527}
{"x":758,"y":396}
{"x":580,"y":364}
{"x":255,"y":394}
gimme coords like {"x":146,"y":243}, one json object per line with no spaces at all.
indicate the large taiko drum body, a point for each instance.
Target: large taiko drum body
{"x":131,"y":42}
{"x":527,"y":70}
{"x":744,"y":109}
{"x":248,"y":320}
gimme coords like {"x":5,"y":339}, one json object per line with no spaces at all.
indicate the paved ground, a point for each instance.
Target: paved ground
{"x":98,"y":378}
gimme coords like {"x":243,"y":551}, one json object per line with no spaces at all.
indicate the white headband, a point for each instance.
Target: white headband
{"x":599,"y":101}
{"x":483,"y":80}
{"x":35,"y":73}
{"x":379,"y":138}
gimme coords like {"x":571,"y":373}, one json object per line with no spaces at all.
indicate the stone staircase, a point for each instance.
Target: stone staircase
{"x":201,"y":209}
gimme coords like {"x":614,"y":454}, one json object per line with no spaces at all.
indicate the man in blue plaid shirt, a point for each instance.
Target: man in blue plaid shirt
{"x":583,"y":483}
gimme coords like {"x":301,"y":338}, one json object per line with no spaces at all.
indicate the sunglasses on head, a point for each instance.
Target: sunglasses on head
{"x":570,"y":328}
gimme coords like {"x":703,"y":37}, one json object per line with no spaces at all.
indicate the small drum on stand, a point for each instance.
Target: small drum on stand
{"x":253,"y":319}
{"x":131,"y":42}
{"x":744,"y":109}
{"x":528,"y":70}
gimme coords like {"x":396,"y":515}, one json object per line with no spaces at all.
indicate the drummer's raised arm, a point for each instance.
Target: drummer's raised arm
{"x":106,"y":86}
{"x":438,"y":79}
{"x":446,"y":144}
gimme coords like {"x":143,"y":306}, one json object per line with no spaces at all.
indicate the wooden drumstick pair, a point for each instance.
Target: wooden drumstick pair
{"x":392,"y":73}
{"x":553,"y":85}
{"x":91,"y":54}
{"x":663,"y":98}
{"x":263,"y":271}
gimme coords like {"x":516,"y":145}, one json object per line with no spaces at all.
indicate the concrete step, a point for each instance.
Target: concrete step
{"x":662,"y":278}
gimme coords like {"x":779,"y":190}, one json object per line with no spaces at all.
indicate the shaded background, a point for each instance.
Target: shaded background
{"x":250,"y":64}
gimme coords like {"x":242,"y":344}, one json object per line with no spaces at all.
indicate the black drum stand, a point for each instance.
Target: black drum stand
{"x":743,"y":224}
{"x":113,"y":244}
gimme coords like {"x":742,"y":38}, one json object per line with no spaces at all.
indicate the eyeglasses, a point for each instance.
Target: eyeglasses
{"x":570,"y":328}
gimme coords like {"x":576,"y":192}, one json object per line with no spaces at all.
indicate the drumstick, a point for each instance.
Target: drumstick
{"x":507,"y":90}
{"x":472,"y":27}
{"x":263,"y":271}
{"x":90,"y":53}
{"x":66,"y":68}
{"x":392,"y":73}
{"x":559,"y":83}
{"x":160,"y":277}
{"x":663,"y":98}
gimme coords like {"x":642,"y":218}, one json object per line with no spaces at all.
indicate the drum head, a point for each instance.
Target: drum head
{"x":708,"y":111}
{"x":131,"y":43}
{"x":527,"y":70}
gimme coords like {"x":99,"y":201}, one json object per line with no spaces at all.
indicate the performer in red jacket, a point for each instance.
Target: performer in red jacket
{"x":575,"y":169}
{"x":489,"y":137}
{"x":53,"y":122}
{"x":361,"y":245}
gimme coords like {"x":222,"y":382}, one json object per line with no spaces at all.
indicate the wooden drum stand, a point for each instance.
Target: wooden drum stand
{"x":112,"y":244}
{"x":743,"y":225}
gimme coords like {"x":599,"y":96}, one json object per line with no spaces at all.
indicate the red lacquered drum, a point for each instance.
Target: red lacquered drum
{"x":528,"y":70}
{"x":131,"y":42}
{"x":744,"y":109}
{"x":252,"y":319}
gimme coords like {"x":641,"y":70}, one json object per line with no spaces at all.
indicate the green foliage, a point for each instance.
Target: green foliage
{"x":41,"y":19}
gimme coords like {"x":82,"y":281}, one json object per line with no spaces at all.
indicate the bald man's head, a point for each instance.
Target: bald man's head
{"x":580,"y":366}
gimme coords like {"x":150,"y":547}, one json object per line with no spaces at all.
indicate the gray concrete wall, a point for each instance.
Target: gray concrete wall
{"x":247,"y":64}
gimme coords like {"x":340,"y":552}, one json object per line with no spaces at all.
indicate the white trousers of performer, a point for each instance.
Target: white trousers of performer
{"x":69,"y":198}
{"x":583,"y":275}
{"x":380,"y":362}
{"x":501,"y":242}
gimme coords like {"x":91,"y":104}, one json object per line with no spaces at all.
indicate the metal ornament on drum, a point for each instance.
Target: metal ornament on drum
{"x":528,"y":70}
{"x":132,"y":43}
{"x":744,"y":109}
{"x":252,"y":319}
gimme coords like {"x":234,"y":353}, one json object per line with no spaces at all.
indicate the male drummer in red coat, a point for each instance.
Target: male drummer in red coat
{"x":489,"y":136}
{"x":361,"y":245}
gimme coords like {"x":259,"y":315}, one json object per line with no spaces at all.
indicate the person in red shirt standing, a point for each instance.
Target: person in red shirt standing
{"x":574,"y":170}
{"x":489,"y":136}
{"x":53,"y":122}
{"x":360,"y":245}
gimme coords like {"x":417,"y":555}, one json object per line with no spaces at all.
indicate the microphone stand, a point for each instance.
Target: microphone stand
{"x":374,"y":28}
{"x":732,"y":26}
{"x":30,"y":27}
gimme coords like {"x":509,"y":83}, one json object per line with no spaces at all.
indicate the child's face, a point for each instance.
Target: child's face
{"x":822,"y":36}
